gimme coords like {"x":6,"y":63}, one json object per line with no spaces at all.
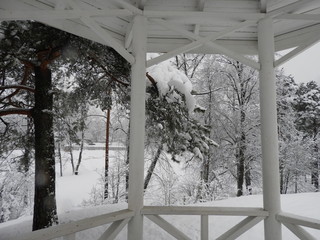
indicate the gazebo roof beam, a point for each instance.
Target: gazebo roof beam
{"x":263,"y":6}
{"x":306,"y":17}
{"x":288,"y":8}
{"x":128,"y":6}
{"x":61,"y":14}
{"x":198,"y":41}
{"x":297,"y":50}
{"x":97,"y":29}
{"x":200,"y":8}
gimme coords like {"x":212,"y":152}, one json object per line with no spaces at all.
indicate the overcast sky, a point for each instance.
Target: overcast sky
{"x":306,"y":66}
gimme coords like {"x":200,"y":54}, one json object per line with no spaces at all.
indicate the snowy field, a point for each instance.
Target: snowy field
{"x":72,"y":190}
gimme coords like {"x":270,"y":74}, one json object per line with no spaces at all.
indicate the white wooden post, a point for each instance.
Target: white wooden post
{"x":204,"y":227}
{"x":137,"y":127}
{"x":269,"y":129}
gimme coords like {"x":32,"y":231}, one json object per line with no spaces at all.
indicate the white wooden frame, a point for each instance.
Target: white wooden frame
{"x":132,"y":46}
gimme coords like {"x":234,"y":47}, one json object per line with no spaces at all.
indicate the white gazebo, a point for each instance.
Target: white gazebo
{"x":236,"y":28}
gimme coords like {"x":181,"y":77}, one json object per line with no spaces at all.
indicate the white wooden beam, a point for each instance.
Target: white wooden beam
{"x":306,"y":45}
{"x":199,"y":41}
{"x":128,"y":6}
{"x":299,"y":220}
{"x":299,"y":232}
{"x":263,"y":6}
{"x":269,"y":129}
{"x":196,"y":14}
{"x":76,"y":226}
{"x":204,"y":227}
{"x":60,"y":14}
{"x":173,"y":231}
{"x":137,"y":127}
{"x":114,"y":229}
{"x":301,"y":17}
{"x":200,"y":8}
{"x":288,"y":8}
{"x":128,"y":37}
{"x":240,"y":228}
{"x":219,"y":211}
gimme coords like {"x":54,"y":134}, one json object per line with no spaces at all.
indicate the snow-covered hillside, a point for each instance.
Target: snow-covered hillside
{"x":72,"y":190}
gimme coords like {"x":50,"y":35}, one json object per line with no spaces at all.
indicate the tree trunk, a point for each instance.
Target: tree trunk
{"x":45,"y":211}
{"x":76,"y":172}
{"x":106,"y":165}
{"x":240,"y":164}
{"x":247,"y":178}
{"x":152,"y":166}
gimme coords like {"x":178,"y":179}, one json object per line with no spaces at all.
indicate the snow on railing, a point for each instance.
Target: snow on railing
{"x":254,"y":216}
{"x":294,"y":222}
{"x":118,"y":219}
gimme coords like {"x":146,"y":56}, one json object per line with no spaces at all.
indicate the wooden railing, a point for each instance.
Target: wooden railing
{"x":118,"y":220}
{"x":294,"y":223}
{"x":254,"y":216}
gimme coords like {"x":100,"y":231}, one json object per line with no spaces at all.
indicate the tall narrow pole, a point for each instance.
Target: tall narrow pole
{"x":269,"y":129}
{"x":137,"y":127}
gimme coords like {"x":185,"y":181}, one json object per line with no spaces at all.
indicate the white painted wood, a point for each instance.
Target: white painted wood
{"x":76,"y":226}
{"x":183,"y":210}
{"x":95,"y":27}
{"x":299,"y":232}
{"x":304,"y":17}
{"x":41,"y":15}
{"x":128,"y":6}
{"x":240,"y":228}
{"x":204,"y":227}
{"x":299,"y":220}
{"x":71,"y":236}
{"x":129,"y":35}
{"x":168,"y":227}
{"x":196,"y":14}
{"x":263,"y":6}
{"x":113,"y":230}
{"x":195,"y":44}
{"x":137,"y":127}
{"x":297,"y":51}
{"x":269,"y":128}
{"x":288,"y":8}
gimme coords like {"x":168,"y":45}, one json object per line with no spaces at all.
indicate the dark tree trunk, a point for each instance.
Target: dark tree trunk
{"x":45,"y":211}
{"x":152,"y":166}
{"x":241,"y":164}
{"x":248,"y":178}
{"x":315,"y":166}
{"x":106,"y":165}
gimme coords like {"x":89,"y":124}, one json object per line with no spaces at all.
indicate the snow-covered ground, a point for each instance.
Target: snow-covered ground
{"x":72,"y":190}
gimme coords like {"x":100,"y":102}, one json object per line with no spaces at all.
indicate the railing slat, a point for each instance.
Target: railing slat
{"x":71,"y":236}
{"x":299,"y":232}
{"x":76,"y":226}
{"x":168,"y":227}
{"x":204,"y":227}
{"x":183,"y":210}
{"x":298,"y":220}
{"x":114,"y":229}
{"x":240,"y":228}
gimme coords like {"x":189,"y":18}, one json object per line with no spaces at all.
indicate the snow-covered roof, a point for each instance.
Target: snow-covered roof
{"x":173,"y":24}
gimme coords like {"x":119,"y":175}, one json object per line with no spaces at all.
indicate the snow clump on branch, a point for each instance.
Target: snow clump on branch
{"x":168,"y":77}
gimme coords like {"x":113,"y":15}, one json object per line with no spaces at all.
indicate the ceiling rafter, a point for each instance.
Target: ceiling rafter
{"x":263,"y":6}
{"x":97,"y":29}
{"x":312,"y":41}
{"x":60,"y":14}
{"x":201,"y":4}
{"x":199,"y":41}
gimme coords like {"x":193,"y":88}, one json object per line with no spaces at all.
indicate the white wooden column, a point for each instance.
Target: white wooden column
{"x":137,"y":127}
{"x":269,"y":129}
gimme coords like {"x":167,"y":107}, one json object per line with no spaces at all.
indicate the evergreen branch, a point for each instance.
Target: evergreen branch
{"x":27,"y":71}
{"x":12,"y":111}
{"x":30,"y":89}
{"x":113,"y":78}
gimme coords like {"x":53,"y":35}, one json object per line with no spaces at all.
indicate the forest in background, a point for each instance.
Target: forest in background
{"x":202,"y":112}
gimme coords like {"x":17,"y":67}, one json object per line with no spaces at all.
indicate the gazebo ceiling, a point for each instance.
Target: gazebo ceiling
{"x":173,"y":24}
